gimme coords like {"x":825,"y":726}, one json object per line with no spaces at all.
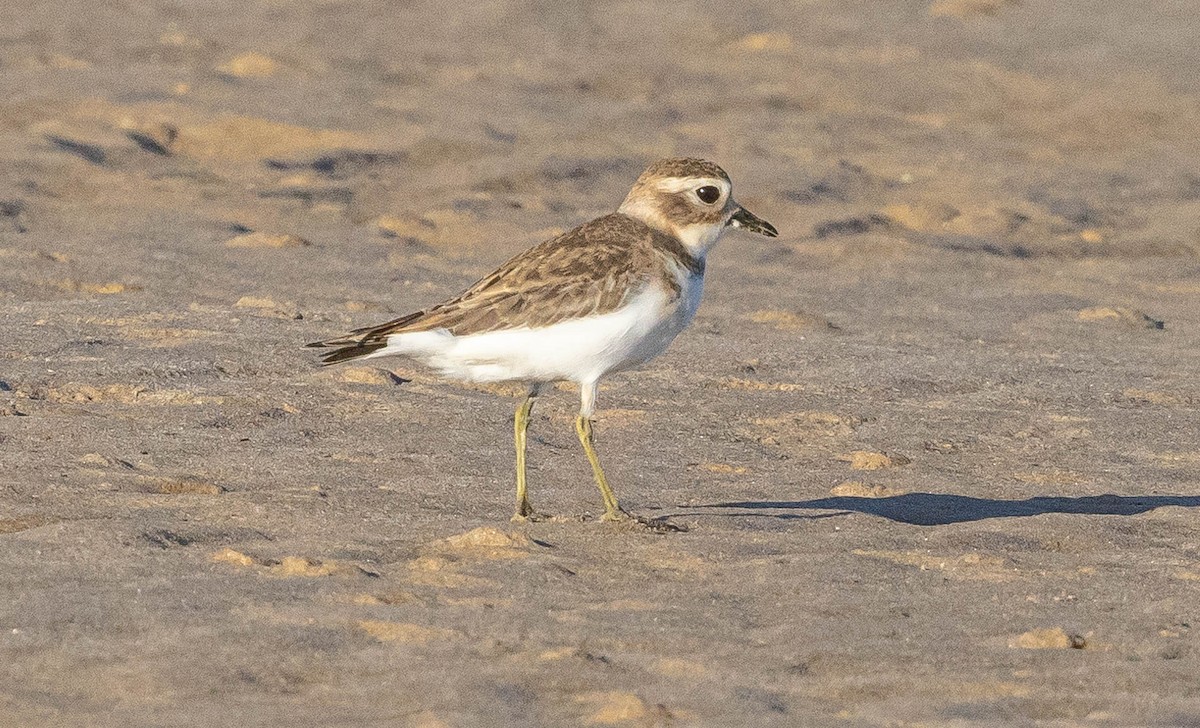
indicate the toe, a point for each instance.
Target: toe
{"x":657,"y":525}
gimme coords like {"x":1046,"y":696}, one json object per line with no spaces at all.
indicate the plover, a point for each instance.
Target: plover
{"x":606,"y":296}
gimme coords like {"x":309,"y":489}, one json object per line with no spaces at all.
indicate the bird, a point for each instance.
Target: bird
{"x":606,"y":296}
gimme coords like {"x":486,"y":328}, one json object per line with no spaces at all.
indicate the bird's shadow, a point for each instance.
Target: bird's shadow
{"x":939,"y":509}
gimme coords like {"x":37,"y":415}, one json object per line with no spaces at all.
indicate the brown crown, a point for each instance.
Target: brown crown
{"x":682,"y":167}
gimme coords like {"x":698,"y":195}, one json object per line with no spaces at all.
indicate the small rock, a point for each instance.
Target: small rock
{"x":229,"y":556}
{"x":867,"y":460}
{"x":614,"y":707}
{"x":486,"y":537}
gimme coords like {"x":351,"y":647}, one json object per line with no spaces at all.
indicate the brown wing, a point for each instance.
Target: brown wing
{"x":592,"y":269}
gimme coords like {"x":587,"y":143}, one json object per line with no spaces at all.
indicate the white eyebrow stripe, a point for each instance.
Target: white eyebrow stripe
{"x":679,"y":184}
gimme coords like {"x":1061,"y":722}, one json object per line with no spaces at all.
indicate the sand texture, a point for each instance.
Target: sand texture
{"x":935,"y":448}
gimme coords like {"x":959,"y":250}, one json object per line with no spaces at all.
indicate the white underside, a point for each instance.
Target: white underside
{"x":580,"y":350}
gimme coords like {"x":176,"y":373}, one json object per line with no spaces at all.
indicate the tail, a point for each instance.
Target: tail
{"x":417,"y":344}
{"x":361,"y":343}
{"x":347,"y":350}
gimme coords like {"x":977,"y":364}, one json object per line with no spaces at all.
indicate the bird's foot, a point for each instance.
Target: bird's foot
{"x":631,"y":522}
{"x":526,"y":514}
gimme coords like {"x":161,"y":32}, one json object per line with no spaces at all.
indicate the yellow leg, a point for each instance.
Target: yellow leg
{"x":612,"y":510}
{"x":520,"y":426}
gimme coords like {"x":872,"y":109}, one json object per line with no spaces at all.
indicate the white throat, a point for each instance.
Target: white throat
{"x":698,"y":238}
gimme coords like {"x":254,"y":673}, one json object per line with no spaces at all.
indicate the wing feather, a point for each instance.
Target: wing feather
{"x":593,"y":269}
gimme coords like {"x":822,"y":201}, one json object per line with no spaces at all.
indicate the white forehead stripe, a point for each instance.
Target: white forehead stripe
{"x":679,"y":184}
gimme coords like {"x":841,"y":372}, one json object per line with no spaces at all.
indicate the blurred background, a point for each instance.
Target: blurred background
{"x":1020,"y":127}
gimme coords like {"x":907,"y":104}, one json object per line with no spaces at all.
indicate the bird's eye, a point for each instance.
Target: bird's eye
{"x":708,"y":194}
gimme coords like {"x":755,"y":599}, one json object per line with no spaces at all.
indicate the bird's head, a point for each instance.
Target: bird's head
{"x":692,"y":200}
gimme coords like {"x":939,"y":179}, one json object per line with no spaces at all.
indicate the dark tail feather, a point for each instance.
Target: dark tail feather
{"x":390,"y":327}
{"x":361,"y":342}
{"x":351,"y":351}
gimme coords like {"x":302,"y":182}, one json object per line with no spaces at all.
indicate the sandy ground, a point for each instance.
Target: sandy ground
{"x":935,"y":447}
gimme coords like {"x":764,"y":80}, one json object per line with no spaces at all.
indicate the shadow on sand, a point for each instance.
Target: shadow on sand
{"x":937,"y":509}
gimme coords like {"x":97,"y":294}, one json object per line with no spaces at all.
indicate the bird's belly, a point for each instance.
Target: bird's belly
{"x":659,"y":336}
{"x":577,"y":350}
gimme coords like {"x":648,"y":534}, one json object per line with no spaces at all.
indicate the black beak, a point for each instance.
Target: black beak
{"x":743,"y":218}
